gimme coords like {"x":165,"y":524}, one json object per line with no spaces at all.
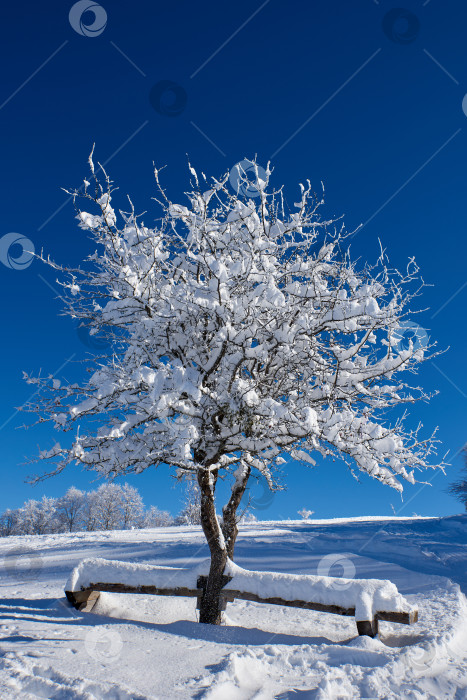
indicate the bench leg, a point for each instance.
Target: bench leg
{"x":83,"y":600}
{"x":368,"y":628}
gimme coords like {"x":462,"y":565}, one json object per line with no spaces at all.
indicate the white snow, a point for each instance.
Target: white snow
{"x":367,"y":596}
{"x":107,"y":571}
{"x":138,"y":647}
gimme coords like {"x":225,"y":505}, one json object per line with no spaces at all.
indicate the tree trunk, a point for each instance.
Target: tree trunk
{"x":210,"y":608}
{"x":229,"y":512}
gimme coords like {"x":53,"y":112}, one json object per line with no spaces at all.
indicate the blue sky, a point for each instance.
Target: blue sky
{"x":360,"y":95}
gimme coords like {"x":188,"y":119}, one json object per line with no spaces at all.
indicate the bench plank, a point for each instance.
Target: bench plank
{"x":85,"y":599}
{"x":404,"y":618}
{"x":306,"y":605}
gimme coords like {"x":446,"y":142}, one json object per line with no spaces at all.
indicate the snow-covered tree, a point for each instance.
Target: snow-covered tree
{"x":154,"y":517}
{"x":459,"y":488}
{"x":191,"y":511}
{"x":9,"y":523}
{"x":90,"y":513}
{"x":27,"y":515}
{"x":240,"y":331}
{"x":70,"y":508}
{"x":305,"y":513}
{"x":131,"y":506}
{"x":247,"y":518}
{"x":38,"y":517}
{"x":110,"y":507}
{"x":107,"y":507}
{"x":113,"y":507}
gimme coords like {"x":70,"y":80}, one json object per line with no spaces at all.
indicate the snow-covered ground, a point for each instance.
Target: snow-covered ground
{"x":138,"y":647}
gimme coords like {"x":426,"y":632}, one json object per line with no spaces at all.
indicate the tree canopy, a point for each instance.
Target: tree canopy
{"x":241,"y":333}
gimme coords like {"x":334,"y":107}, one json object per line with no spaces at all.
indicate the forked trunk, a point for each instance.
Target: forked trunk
{"x":229,"y":512}
{"x":221,"y":542}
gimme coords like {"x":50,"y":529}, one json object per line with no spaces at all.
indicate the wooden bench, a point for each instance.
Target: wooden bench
{"x":87,"y":596}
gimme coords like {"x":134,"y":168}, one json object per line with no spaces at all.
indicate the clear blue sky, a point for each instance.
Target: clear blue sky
{"x":354,"y":94}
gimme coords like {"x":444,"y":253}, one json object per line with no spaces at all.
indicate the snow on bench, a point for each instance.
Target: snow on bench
{"x":368,"y":600}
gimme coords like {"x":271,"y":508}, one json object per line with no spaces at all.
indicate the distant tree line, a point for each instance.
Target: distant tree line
{"x":110,"y":507}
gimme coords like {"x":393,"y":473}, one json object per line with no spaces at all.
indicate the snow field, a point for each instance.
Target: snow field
{"x":147,"y":647}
